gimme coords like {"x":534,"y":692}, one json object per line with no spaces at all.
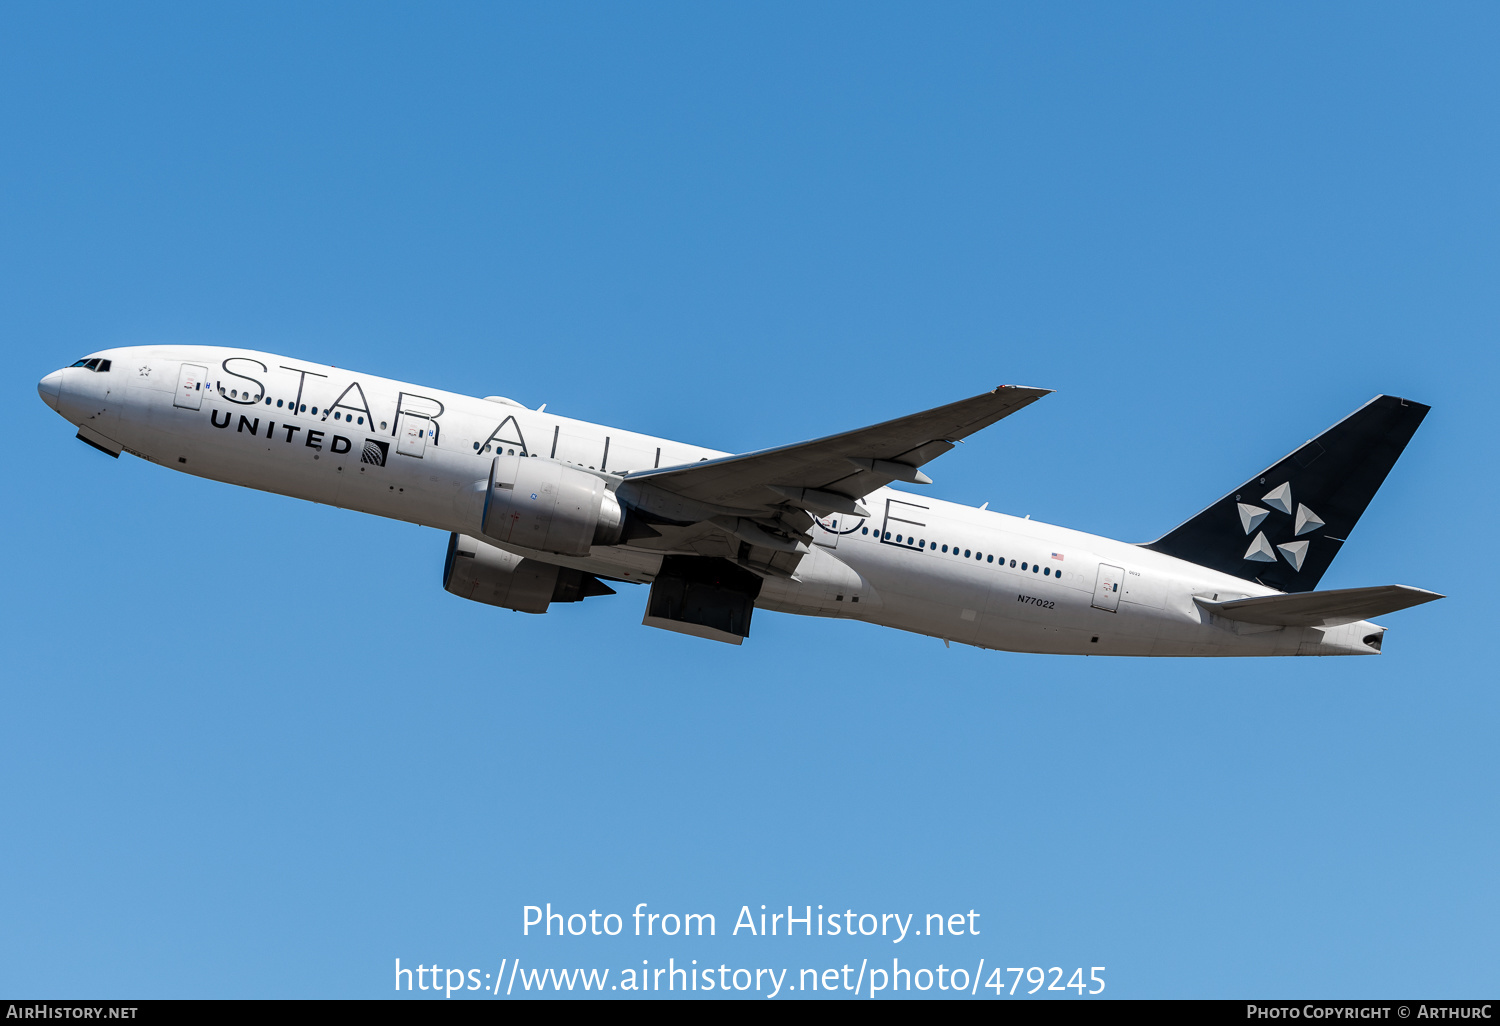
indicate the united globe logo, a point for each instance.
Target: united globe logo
{"x":375,"y":452}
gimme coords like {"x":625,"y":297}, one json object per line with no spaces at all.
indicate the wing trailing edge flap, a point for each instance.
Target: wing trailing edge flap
{"x":1320,"y":608}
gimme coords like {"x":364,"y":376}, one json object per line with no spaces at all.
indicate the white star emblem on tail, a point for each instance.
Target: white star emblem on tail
{"x":1279,"y":498}
{"x":1260,"y":550}
{"x":1251,"y":516}
{"x":1295,"y":552}
{"x":1307,"y":520}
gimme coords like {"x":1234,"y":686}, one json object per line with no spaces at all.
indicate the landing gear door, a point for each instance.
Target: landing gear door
{"x":1107,"y":588}
{"x":190,"y":383}
{"x":411,"y":434}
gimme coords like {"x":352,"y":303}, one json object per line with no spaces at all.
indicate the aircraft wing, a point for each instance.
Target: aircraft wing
{"x":764,"y":498}
{"x":850,"y":464}
{"x":1321,"y":608}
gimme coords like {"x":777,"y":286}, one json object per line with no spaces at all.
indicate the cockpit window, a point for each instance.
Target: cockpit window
{"x":96,"y":364}
{"x":81,"y":363}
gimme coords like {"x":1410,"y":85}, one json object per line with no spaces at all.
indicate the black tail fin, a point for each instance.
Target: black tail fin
{"x":1284,"y":526}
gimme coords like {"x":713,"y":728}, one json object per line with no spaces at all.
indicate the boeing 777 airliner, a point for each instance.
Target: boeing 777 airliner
{"x":545,"y":509}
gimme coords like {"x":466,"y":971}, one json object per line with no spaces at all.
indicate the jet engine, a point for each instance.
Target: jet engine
{"x":484,"y":573}
{"x":549,"y":506}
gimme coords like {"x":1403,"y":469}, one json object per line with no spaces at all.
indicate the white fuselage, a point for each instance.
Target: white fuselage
{"x":916,"y":563}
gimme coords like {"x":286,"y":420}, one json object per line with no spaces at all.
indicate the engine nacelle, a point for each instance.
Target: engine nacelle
{"x":485,"y":573}
{"x":549,"y":506}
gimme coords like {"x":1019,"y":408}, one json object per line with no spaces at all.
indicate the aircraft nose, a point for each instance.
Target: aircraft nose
{"x":50,"y":388}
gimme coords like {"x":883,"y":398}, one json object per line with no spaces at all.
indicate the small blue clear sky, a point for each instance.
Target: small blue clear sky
{"x":250,"y":747}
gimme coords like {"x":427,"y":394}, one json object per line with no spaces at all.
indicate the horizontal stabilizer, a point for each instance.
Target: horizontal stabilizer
{"x":1321,"y":608}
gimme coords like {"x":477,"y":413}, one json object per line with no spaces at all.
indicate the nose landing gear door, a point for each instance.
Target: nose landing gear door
{"x":1107,"y":588}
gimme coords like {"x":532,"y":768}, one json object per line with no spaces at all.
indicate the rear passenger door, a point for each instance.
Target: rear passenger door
{"x":1107,"y":588}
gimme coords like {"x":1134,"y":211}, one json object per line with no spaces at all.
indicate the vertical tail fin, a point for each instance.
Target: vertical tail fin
{"x":1284,"y":526}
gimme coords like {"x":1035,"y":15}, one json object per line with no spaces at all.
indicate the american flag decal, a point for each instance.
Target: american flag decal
{"x":1057,"y":555}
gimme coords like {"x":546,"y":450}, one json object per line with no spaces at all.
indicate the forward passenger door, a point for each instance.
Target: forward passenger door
{"x":190,"y":383}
